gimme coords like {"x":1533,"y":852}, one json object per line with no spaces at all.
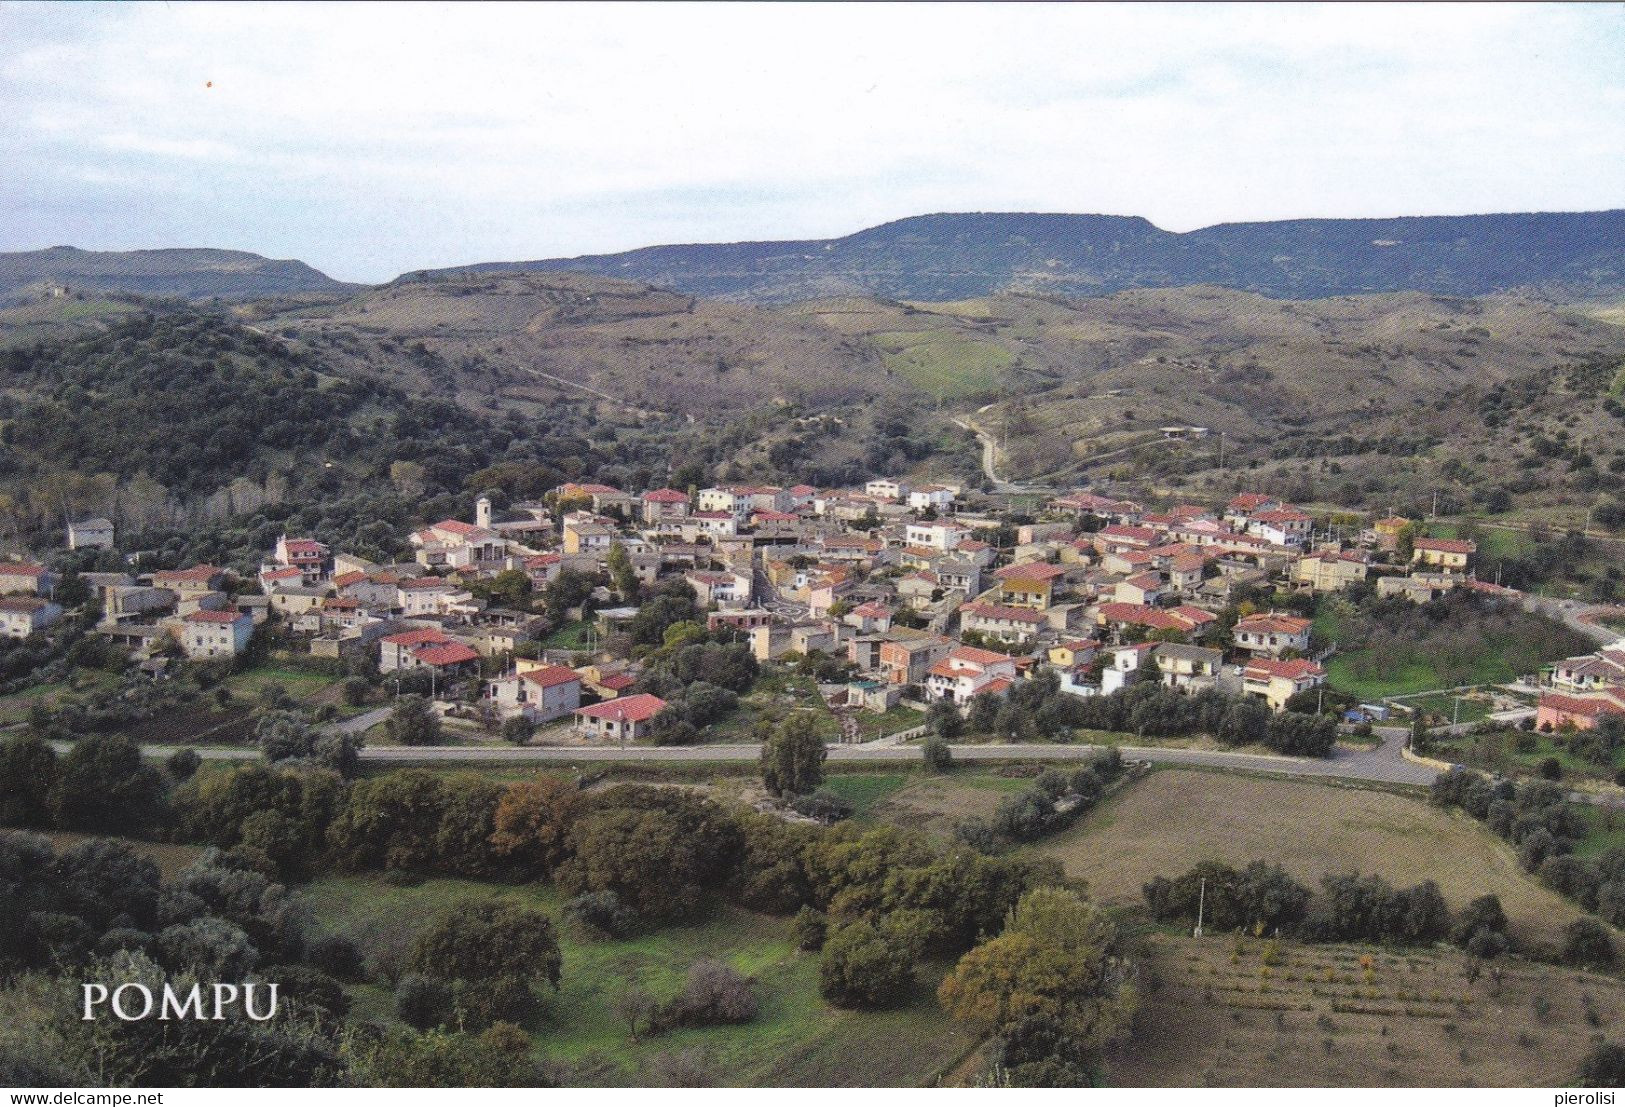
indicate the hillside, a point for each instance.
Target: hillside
{"x":188,"y":274}
{"x":959,"y":255}
{"x":514,"y":337}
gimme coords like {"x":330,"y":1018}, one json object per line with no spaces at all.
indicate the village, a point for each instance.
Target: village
{"x":897,"y":595}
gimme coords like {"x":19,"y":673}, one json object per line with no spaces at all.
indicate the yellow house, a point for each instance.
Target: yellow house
{"x":1388,"y":531}
{"x":1030,"y":584}
{"x":1071,"y":653}
{"x":1330,"y":570}
{"x":1443,"y":553}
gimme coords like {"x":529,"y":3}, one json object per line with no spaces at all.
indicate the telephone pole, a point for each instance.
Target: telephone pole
{"x":1201,"y":907}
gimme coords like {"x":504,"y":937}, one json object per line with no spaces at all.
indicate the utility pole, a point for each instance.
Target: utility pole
{"x":1201,"y":907}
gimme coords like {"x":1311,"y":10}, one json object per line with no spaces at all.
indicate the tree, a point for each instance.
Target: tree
{"x":792,"y":759}
{"x":714,"y":994}
{"x":660,"y":851}
{"x":104,"y":786}
{"x":864,"y":965}
{"x":532,"y":822}
{"x":28,"y":769}
{"x":284,"y":734}
{"x":937,"y":754}
{"x":413,"y":723}
{"x":623,"y":578}
{"x":183,"y":763}
{"x":517,"y":730}
{"x":943,"y":719}
{"x":488,"y":951}
{"x":1586,"y":943}
{"x":984,"y":714}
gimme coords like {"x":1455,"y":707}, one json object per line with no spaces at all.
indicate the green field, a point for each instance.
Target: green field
{"x":570,"y":636}
{"x":945,"y":363}
{"x":300,"y":684}
{"x":864,"y":790}
{"x":796,"y":1040}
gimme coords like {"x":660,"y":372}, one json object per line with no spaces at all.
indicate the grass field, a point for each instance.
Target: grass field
{"x":170,"y":857}
{"x":1310,"y":829}
{"x":1220,"y":1018}
{"x":570,"y":636}
{"x":944,"y":362}
{"x":796,"y":1040}
{"x":300,"y":684}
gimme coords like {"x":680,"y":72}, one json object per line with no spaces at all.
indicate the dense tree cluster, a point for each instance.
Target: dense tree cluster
{"x":1055,"y":800}
{"x":1349,"y":907}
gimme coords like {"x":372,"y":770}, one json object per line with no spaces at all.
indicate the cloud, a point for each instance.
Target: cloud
{"x":370,"y":139}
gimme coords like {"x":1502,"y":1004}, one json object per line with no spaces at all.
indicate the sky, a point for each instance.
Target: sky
{"x":373,"y":139}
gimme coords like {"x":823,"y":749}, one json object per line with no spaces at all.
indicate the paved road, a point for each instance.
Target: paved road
{"x":1383,"y":764}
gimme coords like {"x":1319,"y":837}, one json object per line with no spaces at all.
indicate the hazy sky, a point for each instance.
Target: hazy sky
{"x":372,"y":139}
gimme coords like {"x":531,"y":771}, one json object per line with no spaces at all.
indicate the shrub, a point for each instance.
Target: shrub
{"x":1586,"y":943}
{"x":713,"y":995}
{"x":811,"y":925}
{"x":865,"y":966}
{"x":423,"y":1002}
{"x":602,"y":914}
{"x":183,"y":763}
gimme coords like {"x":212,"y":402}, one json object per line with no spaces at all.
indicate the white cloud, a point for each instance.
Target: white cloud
{"x":373,"y":139}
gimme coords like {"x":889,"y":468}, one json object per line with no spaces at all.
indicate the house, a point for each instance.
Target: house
{"x":24,"y":578}
{"x":1141,"y":588}
{"x":940,"y":535}
{"x":1187,"y":667}
{"x":296,"y":599}
{"x":1018,"y":625}
{"x":1276,"y":681}
{"x":210,"y":634}
{"x":720,"y":588}
{"x":425,"y":648}
{"x":305,"y":554}
{"x":1578,"y":711}
{"x":1271,"y":635}
{"x":1418,"y":587}
{"x":968,"y":672}
{"x":183,"y":582}
{"x":1385,"y":533}
{"x":1030,"y":584}
{"x":931,"y":497}
{"x":90,"y":534}
{"x":869,"y":618}
{"x":1073,"y":653}
{"x":1450,"y":554}
{"x":274,"y":576}
{"x":538,"y":695}
{"x":1247,"y":504}
{"x":1592,"y":671}
{"x":712,"y":524}
{"x":1283,"y":527}
{"x":1331,"y":570}
{"x":906,"y":658}
{"x":664,"y":504}
{"x":21,"y":616}
{"x":884,"y":488}
{"x":585,"y":533}
{"x":1102,"y":507}
{"x":454,"y":544}
{"x":1125,"y":665}
{"x":774,"y":640}
{"x":625,"y":719}
{"x":433,"y":596}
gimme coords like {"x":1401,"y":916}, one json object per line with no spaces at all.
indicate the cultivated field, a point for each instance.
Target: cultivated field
{"x":1216,"y":1015}
{"x":1172,"y":819}
{"x":797,"y":1040}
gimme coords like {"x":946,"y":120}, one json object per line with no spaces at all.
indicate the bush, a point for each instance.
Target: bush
{"x":713,"y":995}
{"x":1551,"y":769}
{"x":1586,"y":943}
{"x":1604,"y":1066}
{"x":826,"y":807}
{"x":936,"y":754}
{"x":182,"y":764}
{"x":423,"y":1002}
{"x":811,"y":925}
{"x":602,"y":913}
{"x":865,"y":966}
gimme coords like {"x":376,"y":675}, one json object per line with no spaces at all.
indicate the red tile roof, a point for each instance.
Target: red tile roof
{"x":551,"y":676}
{"x":448,"y":653}
{"x":223,"y":618}
{"x":1031,"y":570}
{"x":628,"y":709}
{"x":1296,"y":669}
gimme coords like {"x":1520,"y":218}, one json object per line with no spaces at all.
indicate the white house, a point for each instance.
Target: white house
{"x":21,"y":616}
{"x":939,"y":535}
{"x":931,"y":496}
{"x":206,"y":634}
{"x":968,"y":672}
{"x":539,"y":694}
{"x":90,"y":534}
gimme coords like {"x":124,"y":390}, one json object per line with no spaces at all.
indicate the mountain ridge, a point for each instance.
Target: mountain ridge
{"x":191,"y":273}
{"x":948,"y":255}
